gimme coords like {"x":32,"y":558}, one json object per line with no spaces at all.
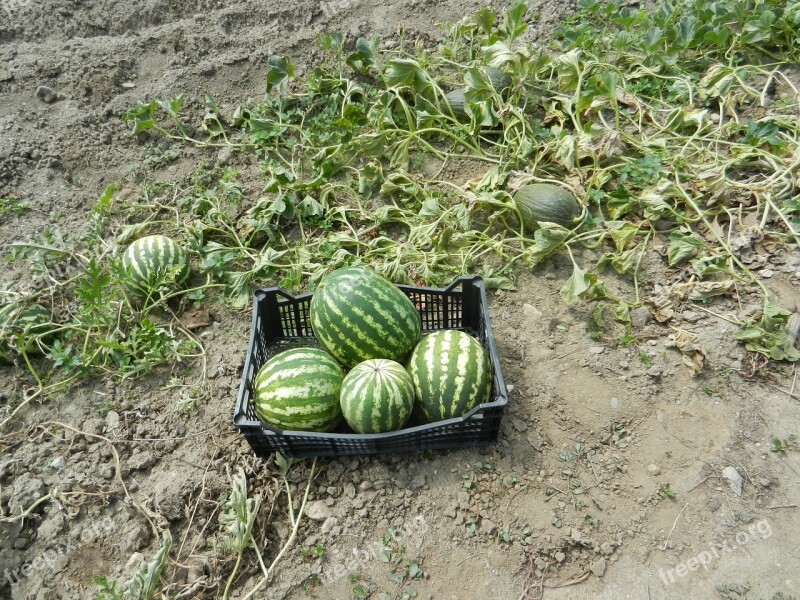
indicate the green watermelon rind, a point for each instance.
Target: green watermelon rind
{"x":27,"y":320}
{"x":377,"y":396}
{"x":451,"y":374}
{"x":357,"y":314}
{"x":150,"y":262}
{"x":299,"y":390}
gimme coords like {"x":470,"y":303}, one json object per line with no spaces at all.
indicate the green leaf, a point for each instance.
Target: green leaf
{"x":369,"y":176}
{"x":774,"y":317}
{"x":685,"y":31}
{"x":460,"y":216}
{"x":280,"y":71}
{"x":484,"y":18}
{"x":406,"y":72}
{"x":652,"y":37}
{"x":761,"y":30}
{"x":172,"y":106}
{"x":145,"y":583}
{"x":212,"y":120}
{"x":478,"y":84}
{"x":577,"y":285}
{"x":400,"y":185}
{"x":142,"y":117}
{"x":103,"y":203}
{"x":309,"y":207}
{"x":514,"y":24}
{"x":332,"y":43}
{"x":430,"y":208}
{"x":683,"y":244}
{"x":773,"y":345}
{"x":365,"y":56}
{"x":710,"y":264}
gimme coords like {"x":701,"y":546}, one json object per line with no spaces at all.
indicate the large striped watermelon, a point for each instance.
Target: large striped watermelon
{"x":377,"y":396}
{"x":25,"y":320}
{"x":357,"y":314}
{"x":153,"y":261}
{"x":299,"y":390}
{"x":451,"y":375}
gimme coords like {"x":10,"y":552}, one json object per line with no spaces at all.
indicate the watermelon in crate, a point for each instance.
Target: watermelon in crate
{"x":377,"y":396}
{"x":451,"y":375}
{"x":299,"y":390}
{"x":357,"y":314}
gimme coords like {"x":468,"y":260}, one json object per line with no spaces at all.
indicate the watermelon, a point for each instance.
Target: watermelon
{"x":451,"y":375}
{"x":377,"y":396}
{"x":155,"y":260}
{"x":357,"y":314}
{"x":299,"y":390}
{"x":27,"y":320}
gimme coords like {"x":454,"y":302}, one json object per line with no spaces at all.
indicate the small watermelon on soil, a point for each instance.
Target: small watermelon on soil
{"x":451,"y":375}
{"x":377,"y":396}
{"x":357,"y":314}
{"x":21,"y":322}
{"x":298,"y":390}
{"x":153,"y":261}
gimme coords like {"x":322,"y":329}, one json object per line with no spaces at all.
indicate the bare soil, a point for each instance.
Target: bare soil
{"x":608,"y":479}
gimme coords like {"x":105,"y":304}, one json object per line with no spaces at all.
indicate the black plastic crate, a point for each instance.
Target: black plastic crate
{"x":281,"y":321}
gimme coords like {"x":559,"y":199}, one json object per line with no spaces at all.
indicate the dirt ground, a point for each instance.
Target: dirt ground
{"x":612,"y":473}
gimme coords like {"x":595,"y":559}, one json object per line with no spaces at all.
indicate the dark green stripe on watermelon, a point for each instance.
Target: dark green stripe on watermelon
{"x":451,"y":375}
{"x":22,"y":323}
{"x":299,"y":390}
{"x":152,"y":261}
{"x":377,"y":396}
{"x":356,"y":315}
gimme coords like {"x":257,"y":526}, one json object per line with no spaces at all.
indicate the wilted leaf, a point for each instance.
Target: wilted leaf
{"x":623,"y":262}
{"x":660,"y":307}
{"x":496,"y":282}
{"x":577,"y":285}
{"x":693,"y":355}
{"x":546,"y":240}
{"x":683,"y":244}
{"x":621,"y":232}
{"x":701,"y":290}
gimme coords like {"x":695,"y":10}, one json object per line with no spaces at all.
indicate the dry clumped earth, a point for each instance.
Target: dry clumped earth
{"x":615,"y":476}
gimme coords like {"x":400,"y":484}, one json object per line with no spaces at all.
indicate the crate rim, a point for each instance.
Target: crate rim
{"x":247,"y":426}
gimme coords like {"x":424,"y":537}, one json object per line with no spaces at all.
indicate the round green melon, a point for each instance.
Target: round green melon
{"x":298,"y":390}
{"x":22,"y":323}
{"x":451,"y":375}
{"x":547,"y":203}
{"x":377,"y":396}
{"x":357,"y":314}
{"x":153,"y":261}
